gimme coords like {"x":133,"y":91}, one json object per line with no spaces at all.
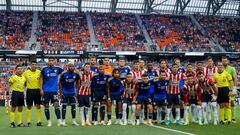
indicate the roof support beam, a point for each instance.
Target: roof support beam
{"x":79,"y":5}
{"x":113,"y":5}
{"x":8,"y":5}
{"x":215,"y":5}
{"x":182,"y":4}
{"x":239,"y":10}
{"x":44,"y":5}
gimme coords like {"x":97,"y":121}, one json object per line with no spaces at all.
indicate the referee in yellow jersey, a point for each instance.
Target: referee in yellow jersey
{"x":17,"y":82}
{"x":224,"y":83}
{"x":32,"y":76}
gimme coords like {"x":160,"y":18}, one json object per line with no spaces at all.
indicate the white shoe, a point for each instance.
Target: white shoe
{"x":138,"y":122}
{"x":103,"y":122}
{"x":125,"y":122}
{"x":109,"y":122}
{"x":59,"y":123}
{"x":141,"y":121}
{"x":205,"y":122}
{"x":95,"y":123}
{"x":49,"y":123}
{"x":175,"y":121}
{"x":129,"y":121}
{"x":215,"y":122}
{"x":117,"y":122}
{"x":121,"y":122}
{"x":200,"y":123}
{"x":74,"y":123}
{"x":150,"y":122}
{"x":64,"y":124}
{"x":83,"y":124}
{"x":133,"y":122}
{"x":88,"y":123}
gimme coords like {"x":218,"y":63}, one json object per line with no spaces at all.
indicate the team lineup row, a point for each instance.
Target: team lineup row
{"x":152,"y":95}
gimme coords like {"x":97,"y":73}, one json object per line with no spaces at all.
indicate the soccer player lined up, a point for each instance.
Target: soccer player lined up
{"x":93,"y":64}
{"x":107,"y":67}
{"x":124,"y":70}
{"x":210,"y":69}
{"x":49,"y":89}
{"x":68,"y":84}
{"x":209,"y":96}
{"x":232,"y":71}
{"x":17,"y":83}
{"x":192,"y":96}
{"x":143,"y":97}
{"x":98,"y":90}
{"x":32,"y":76}
{"x":136,"y":71}
{"x":114,"y":92}
{"x":163,"y":66}
{"x":84,"y":94}
{"x":160,"y":97}
{"x":224,"y":84}
{"x":150,"y":72}
{"x":129,"y":91}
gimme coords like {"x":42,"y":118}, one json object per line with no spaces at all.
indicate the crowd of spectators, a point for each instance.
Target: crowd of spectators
{"x":15,"y":29}
{"x":63,"y":31}
{"x":175,"y":33}
{"x":225,"y":31}
{"x":118,"y":32}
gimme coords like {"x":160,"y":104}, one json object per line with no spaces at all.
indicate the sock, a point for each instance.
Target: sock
{"x":168,"y":113}
{"x":186,"y":113}
{"x":82,"y":114}
{"x":229,"y":114}
{"x":109,"y":115}
{"x":142,"y":114}
{"x":95,"y":112}
{"x":124,"y":111}
{"x":102,"y":111}
{"x":120,"y":114}
{"x":145,"y":113}
{"x":133,"y":112}
{"x":159,"y":114}
{"x":199,"y":113}
{"x":182,"y":113}
{"x":155,"y":114}
{"x":28,"y":115}
{"x":221,"y":113}
{"x":64,"y":111}
{"x":150,"y":115}
{"x":174,"y":113}
{"x":127,"y":111}
{"x":38,"y":115}
{"x":12,"y":117}
{"x":116,"y":112}
{"x":47,"y":114}
{"x":19,"y":114}
{"x":93,"y":119}
{"x":87,"y":114}
{"x":57,"y":112}
{"x":233,"y":110}
{"x":215,"y":111}
{"x":137,"y":115}
{"x":193,"y":111}
{"x":73,"y":111}
{"x":177,"y":113}
{"x":204,"y":111}
{"x":209,"y":110}
{"x":163,"y":113}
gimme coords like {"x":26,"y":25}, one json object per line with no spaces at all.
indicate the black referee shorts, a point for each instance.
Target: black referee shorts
{"x":17,"y":98}
{"x":223,"y":95}
{"x":33,"y":96}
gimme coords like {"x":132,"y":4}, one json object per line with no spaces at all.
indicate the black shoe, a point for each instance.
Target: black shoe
{"x":229,"y":123}
{"x":28,"y":124}
{"x":12,"y":125}
{"x":234,"y":121}
{"x":21,"y":125}
{"x":221,"y":123}
{"x":39,"y":124}
{"x":163,"y":123}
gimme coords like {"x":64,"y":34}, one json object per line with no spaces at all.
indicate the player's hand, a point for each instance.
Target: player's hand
{"x":230,"y":93}
{"x":214,"y":97}
{"x":41,"y":92}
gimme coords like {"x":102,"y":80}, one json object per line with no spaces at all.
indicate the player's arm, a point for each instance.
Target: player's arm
{"x":135,"y":94}
{"x":41,"y":83}
{"x":235,"y":81}
{"x":199,"y":95}
{"x":108,"y":92}
{"x":60,"y":85}
{"x":78,"y":82}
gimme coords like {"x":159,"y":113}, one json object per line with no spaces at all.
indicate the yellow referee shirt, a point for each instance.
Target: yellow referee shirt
{"x":222,"y":79}
{"x":18,"y":83}
{"x":33,"y":79}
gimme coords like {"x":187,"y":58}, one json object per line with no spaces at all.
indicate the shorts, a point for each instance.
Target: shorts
{"x":223,"y":95}
{"x":206,"y":98}
{"x":83,"y":101}
{"x":192,"y":101}
{"x":50,"y":97}
{"x":96,"y":97}
{"x":144,"y":101}
{"x":117,"y":98}
{"x":33,"y":96}
{"x":68,"y":99}
{"x":159,"y":102}
{"x":173,"y":99}
{"x":17,"y":99}
{"x":127,"y":100}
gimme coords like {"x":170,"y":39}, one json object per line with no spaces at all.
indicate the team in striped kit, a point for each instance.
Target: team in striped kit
{"x":143,"y":94}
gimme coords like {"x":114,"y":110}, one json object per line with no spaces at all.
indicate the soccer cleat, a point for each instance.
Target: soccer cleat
{"x":206,"y":122}
{"x":49,"y":123}
{"x":133,"y":122}
{"x":229,"y":123}
{"x":109,"y":122}
{"x":168,"y":122}
{"x":174,"y":121}
{"x":39,"y":124}
{"x":12,"y":125}
{"x":121,"y":122}
{"x":178,"y":122}
{"x":138,"y":122}
{"x":83,"y":124}
{"x":95,"y":123}
{"x":74,"y":123}
{"x":200,"y":123}
{"x":125,"y":122}
{"x":215,"y":122}
{"x":186,"y":122}
{"x":145,"y":122}
{"x":129,"y":121}
{"x":102,"y":122}
{"x":64,"y":124}
{"x":59,"y":123}
{"x":28,"y":124}
{"x":234,"y":121}
{"x":117,"y":122}
{"x":193,"y":120}
{"x":150,"y":122}
{"x":221,"y":123}
{"x":21,"y":125}
{"x":88,"y":124}
{"x":163,"y":122}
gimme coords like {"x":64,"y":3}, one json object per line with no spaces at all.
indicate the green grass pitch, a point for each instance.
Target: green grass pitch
{"x":110,"y":130}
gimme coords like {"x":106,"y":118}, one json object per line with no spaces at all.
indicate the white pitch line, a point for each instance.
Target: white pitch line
{"x":173,"y":130}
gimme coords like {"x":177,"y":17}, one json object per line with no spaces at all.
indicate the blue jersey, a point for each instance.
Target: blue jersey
{"x":181,"y":70}
{"x":94,"y":69}
{"x":68,"y":81}
{"x":145,"y":90}
{"x":115,"y":86}
{"x":50,"y":78}
{"x":123,"y":72}
{"x":151,"y":74}
{"x":160,"y":89}
{"x":99,"y":83}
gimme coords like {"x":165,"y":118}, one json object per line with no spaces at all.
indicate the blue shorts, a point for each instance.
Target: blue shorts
{"x":127,"y":101}
{"x":68,"y":99}
{"x":144,"y":101}
{"x":159,"y":102}
{"x":117,"y":98}
{"x":206,"y":98}
{"x":173,"y":99}
{"x":97,"y":97}
{"x":50,"y":97}
{"x":83,"y":101}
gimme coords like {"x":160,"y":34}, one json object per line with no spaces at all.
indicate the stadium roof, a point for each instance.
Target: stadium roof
{"x":207,"y":7}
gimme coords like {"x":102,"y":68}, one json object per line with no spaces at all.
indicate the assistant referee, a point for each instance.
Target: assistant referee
{"x":32,"y":76}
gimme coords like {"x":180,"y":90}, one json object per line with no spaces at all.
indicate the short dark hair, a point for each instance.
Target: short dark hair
{"x":33,"y":61}
{"x":176,"y":59}
{"x":208,"y":58}
{"x":145,"y":75}
{"x":190,"y":75}
{"x":161,"y":60}
{"x":86,"y":64}
{"x":19,"y":65}
{"x":115,"y":70}
{"x":224,"y":57}
{"x":200,"y":73}
{"x":51,"y":58}
{"x":189,"y":64}
{"x":174,"y":64}
{"x":162,"y":71}
{"x":121,"y":58}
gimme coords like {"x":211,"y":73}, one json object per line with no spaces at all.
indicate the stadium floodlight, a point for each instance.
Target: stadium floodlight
{"x":125,"y":53}
{"x":26,"y":52}
{"x":194,"y":54}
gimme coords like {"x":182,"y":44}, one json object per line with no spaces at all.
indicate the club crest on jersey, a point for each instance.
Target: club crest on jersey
{"x":74,"y":77}
{"x":55,"y":70}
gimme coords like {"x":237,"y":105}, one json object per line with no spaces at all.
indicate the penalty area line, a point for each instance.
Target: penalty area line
{"x":172,"y":130}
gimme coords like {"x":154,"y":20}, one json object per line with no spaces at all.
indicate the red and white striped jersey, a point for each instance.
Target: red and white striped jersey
{"x":137,"y":74}
{"x":167,"y":70}
{"x":85,"y":85}
{"x":209,"y":72}
{"x":174,"y":80}
{"x":192,"y":92}
{"x":206,"y":86}
{"x":129,"y":89}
